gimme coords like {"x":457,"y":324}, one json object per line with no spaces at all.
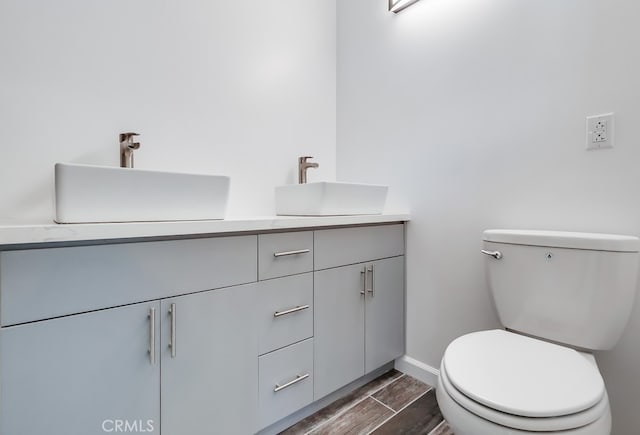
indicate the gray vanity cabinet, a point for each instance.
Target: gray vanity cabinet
{"x":359,"y":308}
{"x":79,"y":357}
{"x":216,"y":335}
{"x":77,"y":375}
{"x":355,"y":331}
{"x":209,"y":352}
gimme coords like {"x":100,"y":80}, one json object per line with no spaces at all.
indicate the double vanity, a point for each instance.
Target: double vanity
{"x":193,"y":327}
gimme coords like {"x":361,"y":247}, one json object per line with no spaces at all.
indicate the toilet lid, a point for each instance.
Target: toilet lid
{"x":521,"y":375}
{"x":530,"y":424}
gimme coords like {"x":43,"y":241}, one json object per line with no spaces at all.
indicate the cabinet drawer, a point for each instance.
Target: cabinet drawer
{"x":284,"y":254}
{"x":285,"y":311}
{"x":285,"y":381}
{"x":344,"y":246}
{"x":43,"y":283}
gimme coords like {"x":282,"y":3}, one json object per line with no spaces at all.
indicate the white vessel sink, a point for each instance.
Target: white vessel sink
{"x":330,"y":199}
{"x":86,"y":193}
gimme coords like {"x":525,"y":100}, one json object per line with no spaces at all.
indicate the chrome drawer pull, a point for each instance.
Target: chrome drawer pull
{"x":291,"y":310}
{"x":495,"y":254}
{"x":152,"y":336}
{"x":172,"y":343}
{"x":290,"y":383}
{"x":285,"y":253}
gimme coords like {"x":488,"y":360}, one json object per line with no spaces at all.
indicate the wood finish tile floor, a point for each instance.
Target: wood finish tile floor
{"x":393,"y":403}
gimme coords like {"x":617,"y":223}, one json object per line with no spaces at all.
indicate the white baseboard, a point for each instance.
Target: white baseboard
{"x":419,"y":370}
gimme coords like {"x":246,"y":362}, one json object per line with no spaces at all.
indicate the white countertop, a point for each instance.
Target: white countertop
{"x":12,"y":234}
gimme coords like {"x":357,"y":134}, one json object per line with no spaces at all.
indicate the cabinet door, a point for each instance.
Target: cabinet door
{"x":338,"y":328}
{"x":210,"y":363}
{"x":81,"y":374}
{"x":384,"y":314}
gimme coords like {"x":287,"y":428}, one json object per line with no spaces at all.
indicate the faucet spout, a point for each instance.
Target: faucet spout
{"x":303,"y":165}
{"x":127,"y":146}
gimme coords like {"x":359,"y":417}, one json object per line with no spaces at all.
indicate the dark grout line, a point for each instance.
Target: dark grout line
{"x":362,"y":399}
{"x":398,"y":411}
{"x":370,"y":395}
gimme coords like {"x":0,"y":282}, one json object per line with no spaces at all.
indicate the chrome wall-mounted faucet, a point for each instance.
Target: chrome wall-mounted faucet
{"x":303,"y":165}
{"x":127,"y":146}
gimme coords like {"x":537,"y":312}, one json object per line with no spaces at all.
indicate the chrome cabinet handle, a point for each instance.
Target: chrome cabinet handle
{"x":291,"y":310}
{"x":495,"y":254}
{"x":363,"y":274}
{"x":290,"y":383}
{"x":152,"y":335}
{"x":172,"y":343}
{"x":371,"y":289}
{"x":285,"y":253}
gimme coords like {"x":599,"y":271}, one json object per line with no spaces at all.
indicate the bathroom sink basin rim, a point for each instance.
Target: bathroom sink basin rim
{"x":100,"y":194}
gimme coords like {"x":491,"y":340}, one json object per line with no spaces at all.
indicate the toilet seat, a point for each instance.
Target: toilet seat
{"x":531,"y":424}
{"x":523,"y":383}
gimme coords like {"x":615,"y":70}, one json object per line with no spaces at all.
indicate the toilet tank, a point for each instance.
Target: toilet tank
{"x":573,"y":288}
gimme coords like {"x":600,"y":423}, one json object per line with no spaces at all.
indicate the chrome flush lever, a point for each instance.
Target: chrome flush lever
{"x":495,"y":254}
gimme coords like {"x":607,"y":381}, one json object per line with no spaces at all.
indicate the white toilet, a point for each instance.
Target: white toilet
{"x":560,"y":296}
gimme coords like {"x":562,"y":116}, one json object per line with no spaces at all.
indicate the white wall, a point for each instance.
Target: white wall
{"x":474,"y":112}
{"x":233,"y":87}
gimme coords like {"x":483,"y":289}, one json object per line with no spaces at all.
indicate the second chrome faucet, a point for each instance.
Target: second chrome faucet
{"x":127,"y":146}
{"x":303,"y":165}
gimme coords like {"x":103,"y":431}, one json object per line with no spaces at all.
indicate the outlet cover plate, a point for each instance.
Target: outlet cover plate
{"x":600,"y":131}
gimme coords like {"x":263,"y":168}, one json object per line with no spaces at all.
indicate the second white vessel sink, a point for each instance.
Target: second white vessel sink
{"x":330,"y":199}
{"x":93,"y":194}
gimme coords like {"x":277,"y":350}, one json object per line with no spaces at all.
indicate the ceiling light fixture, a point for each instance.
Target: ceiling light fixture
{"x":398,"y":5}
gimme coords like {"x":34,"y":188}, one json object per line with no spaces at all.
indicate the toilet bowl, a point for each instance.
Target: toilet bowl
{"x":554,"y":292}
{"x":505,"y":383}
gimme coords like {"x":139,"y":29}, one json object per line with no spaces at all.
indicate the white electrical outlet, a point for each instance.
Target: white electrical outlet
{"x":600,"y":131}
